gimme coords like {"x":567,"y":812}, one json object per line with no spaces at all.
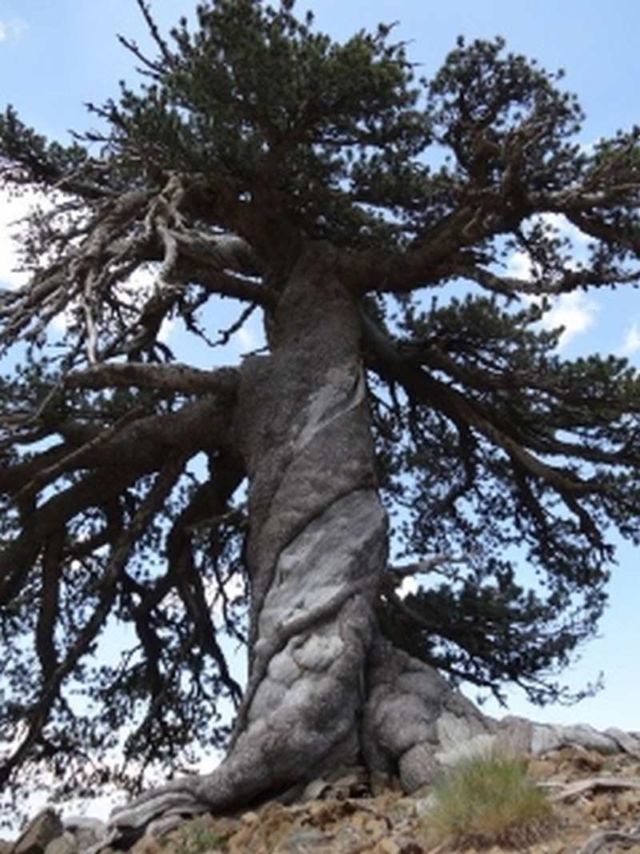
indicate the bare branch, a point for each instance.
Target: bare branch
{"x":77,"y":455}
{"x":151,"y":68}
{"x":570,"y":280}
{"x":120,"y":236}
{"x":135,"y":449}
{"x":396,"y":574}
{"x":169,"y":378}
{"x":155,"y":32}
{"x":107,"y":590}
{"x":45,"y":643}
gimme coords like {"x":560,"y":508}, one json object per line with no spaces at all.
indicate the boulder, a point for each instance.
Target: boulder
{"x":65,"y":844}
{"x":42,"y":830}
{"x":87,"y":832}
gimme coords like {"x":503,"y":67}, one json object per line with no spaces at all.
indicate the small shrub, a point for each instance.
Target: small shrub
{"x":194,"y":839}
{"x":488,"y":800}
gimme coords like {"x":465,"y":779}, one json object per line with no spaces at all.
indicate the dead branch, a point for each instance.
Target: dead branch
{"x":119,"y":236}
{"x":592,"y":784}
{"x":610,"y":837}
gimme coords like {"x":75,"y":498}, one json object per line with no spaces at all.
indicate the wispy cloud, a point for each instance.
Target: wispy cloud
{"x":142,"y":283}
{"x":11,"y":29}
{"x":166,"y":330}
{"x":247,"y":338}
{"x":519,"y":264}
{"x":631,"y":342}
{"x":565,"y":228}
{"x":575,"y":311}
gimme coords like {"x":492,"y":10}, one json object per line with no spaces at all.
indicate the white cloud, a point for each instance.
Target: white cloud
{"x":142,"y":280}
{"x":565,"y":228}
{"x":519,"y":265}
{"x":12,"y":209}
{"x":588,"y":148}
{"x":631,"y":343}
{"x":247,"y":338}
{"x":250,"y":337}
{"x":12,"y":29}
{"x":409,"y":586}
{"x":141,"y":284}
{"x":575,"y":312}
{"x":166,"y":329}
{"x":61,"y":322}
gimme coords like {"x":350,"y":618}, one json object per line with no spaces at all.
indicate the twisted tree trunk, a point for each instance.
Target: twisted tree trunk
{"x":325,"y":689}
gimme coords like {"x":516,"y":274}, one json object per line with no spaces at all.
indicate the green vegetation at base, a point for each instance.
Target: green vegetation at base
{"x":488,"y":800}
{"x":196,"y":839}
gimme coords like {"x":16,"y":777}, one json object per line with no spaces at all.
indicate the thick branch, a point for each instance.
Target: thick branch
{"x":420,"y":385}
{"x":487,"y":379}
{"x":170,"y":378}
{"x":138,"y":448}
{"x":141,"y":442}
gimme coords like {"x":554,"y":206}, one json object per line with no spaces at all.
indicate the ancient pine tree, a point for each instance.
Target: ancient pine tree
{"x":156,"y":514}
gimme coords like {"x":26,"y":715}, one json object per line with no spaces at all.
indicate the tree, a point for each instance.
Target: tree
{"x":323,"y":186}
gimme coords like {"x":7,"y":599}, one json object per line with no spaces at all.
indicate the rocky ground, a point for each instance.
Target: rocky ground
{"x":596,"y":804}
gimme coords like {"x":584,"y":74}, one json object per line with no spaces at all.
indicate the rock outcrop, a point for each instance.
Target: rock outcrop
{"x":593,"y":780}
{"x":48,"y":833}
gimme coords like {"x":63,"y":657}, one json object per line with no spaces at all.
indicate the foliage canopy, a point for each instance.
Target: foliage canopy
{"x":249,"y":138}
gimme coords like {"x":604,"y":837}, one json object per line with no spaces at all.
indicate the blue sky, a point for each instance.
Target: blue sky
{"x":57,"y":54}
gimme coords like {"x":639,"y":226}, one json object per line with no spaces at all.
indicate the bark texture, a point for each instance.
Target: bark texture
{"x":325,"y":690}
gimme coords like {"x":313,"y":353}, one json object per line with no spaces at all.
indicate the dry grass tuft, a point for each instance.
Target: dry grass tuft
{"x":488,"y":800}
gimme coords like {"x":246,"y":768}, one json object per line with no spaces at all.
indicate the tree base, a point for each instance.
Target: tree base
{"x":413,"y":726}
{"x":410,"y":724}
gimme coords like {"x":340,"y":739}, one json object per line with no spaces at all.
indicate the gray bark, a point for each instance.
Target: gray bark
{"x":325,"y":690}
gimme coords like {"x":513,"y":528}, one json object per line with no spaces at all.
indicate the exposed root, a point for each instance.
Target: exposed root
{"x":601,"y":841}
{"x":180,"y":797}
{"x":580,"y":787}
